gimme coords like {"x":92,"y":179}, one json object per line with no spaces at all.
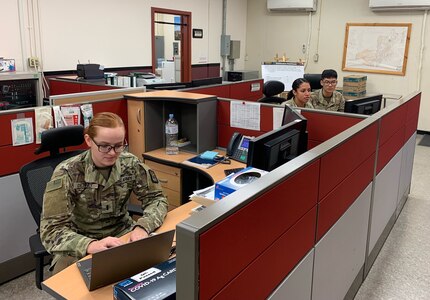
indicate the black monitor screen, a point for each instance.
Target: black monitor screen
{"x":274,"y":148}
{"x":291,"y":115}
{"x":364,"y":106}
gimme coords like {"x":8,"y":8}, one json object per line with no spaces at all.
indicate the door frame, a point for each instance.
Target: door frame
{"x":185,"y":40}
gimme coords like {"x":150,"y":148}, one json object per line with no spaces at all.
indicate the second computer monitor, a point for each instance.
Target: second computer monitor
{"x":365,"y":106}
{"x":291,"y":115}
{"x":274,"y":148}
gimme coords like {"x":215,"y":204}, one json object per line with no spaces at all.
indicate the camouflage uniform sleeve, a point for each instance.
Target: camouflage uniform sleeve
{"x":341,"y":103}
{"x":154,"y":204}
{"x":56,"y":228}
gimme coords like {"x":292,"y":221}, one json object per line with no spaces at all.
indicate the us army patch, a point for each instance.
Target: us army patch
{"x":153,"y":176}
{"x":54,"y":185}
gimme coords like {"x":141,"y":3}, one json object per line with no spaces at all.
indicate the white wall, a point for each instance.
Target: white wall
{"x":109,"y":32}
{"x":10,"y":45}
{"x":271,"y":33}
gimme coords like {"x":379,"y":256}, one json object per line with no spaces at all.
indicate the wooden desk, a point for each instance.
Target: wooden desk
{"x":69,"y":284}
{"x":216,"y":173}
{"x":179,"y":179}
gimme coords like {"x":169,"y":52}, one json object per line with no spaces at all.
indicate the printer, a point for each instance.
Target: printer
{"x":145,"y":78}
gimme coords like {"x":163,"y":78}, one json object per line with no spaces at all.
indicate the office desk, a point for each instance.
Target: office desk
{"x":180,"y":179}
{"x":69,"y":284}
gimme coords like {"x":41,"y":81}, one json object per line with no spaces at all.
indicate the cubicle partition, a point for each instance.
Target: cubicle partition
{"x":250,"y":90}
{"x":15,"y":258}
{"x":316,"y":221}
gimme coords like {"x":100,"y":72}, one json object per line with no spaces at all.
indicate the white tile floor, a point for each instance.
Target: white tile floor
{"x":400,"y":272}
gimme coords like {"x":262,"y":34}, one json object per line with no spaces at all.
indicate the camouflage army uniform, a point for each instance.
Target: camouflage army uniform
{"x":336,"y":103}
{"x":80,"y":206}
{"x":291,"y":103}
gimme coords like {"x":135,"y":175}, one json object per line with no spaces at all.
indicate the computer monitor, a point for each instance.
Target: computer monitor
{"x":314,"y":81}
{"x":365,"y":105}
{"x":274,"y":148}
{"x":290,"y":115}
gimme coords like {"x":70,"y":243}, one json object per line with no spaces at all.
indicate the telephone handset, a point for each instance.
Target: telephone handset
{"x":237,"y":148}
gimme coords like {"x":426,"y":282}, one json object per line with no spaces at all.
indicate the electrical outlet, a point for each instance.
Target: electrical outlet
{"x":33,"y":62}
{"x":316,"y":57}
{"x":304,"y":49}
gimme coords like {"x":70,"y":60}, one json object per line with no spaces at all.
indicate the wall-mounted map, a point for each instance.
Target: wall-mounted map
{"x":376,"y":47}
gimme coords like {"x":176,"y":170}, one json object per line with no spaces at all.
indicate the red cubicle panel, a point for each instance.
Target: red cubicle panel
{"x":13,"y":158}
{"x":335,"y":204}
{"x":392,"y":122}
{"x":223,"y":123}
{"x":58,"y":87}
{"x":222,"y":91}
{"x":344,"y":159}
{"x":392,"y":135}
{"x":250,"y":241}
{"x":412,"y":116}
{"x":265,"y":273}
{"x":244,"y":91}
{"x":322,"y":127}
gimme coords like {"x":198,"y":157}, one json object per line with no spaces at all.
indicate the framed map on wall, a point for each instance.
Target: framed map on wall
{"x":376,"y":47}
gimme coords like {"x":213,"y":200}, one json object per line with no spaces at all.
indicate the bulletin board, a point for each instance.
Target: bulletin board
{"x":284,"y":72}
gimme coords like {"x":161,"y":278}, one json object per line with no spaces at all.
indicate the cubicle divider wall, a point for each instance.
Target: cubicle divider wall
{"x":322,"y":215}
{"x":250,"y":90}
{"x":321,"y":125}
{"x":15,"y":257}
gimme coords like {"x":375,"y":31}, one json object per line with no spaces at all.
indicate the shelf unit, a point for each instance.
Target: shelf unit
{"x":19,"y":90}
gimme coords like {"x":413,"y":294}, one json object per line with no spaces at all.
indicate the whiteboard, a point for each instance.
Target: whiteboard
{"x":286,"y":73}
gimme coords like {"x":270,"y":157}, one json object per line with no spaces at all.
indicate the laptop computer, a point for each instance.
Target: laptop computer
{"x":117,"y":263}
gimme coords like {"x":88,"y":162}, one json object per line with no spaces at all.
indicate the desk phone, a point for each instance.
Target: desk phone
{"x":237,"y":148}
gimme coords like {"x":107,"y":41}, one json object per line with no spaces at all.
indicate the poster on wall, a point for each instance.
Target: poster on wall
{"x":376,"y":47}
{"x":22,"y":131}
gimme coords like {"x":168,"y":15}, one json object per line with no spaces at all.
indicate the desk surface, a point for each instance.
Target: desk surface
{"x":216,"y":172}
{"x":68,"y":284}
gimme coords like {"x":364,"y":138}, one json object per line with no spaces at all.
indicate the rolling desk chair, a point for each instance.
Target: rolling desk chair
{"x":36,"y":174}
{"x":271,"y":89}
{"x":314,"y":81}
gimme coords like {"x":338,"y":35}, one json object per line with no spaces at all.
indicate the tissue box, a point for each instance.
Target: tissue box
{"x":236,"y":181}
{"x":158,"y":282}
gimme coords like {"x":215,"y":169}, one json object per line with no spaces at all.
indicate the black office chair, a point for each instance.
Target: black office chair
{"x":314,"y":81}
{"x":36,"y":174}
{"x":271,"y":89}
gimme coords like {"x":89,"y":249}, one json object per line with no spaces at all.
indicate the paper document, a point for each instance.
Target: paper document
{"x":245,"y":114}
{"x":278,"y":114}
{"x":208,"y":192}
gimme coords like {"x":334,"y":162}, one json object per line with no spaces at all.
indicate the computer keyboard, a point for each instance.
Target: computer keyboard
{"x":230,"y":171}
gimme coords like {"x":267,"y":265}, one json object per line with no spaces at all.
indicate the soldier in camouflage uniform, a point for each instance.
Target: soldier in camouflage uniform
{"x":328,"y":98}
{"x":85,"y":203}
{"x":299,"y":95}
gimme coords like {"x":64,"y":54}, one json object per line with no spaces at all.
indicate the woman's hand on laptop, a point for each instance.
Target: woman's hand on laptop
{"x":138,"y":233}
{"x":103,"y":244}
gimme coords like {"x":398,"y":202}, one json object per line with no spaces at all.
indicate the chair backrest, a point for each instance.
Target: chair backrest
{"x":36,"y":174}
{"x":314,"y":80}
{"x":272,"y":88}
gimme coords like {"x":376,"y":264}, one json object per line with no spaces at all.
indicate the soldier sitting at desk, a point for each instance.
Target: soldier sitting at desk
{"x":328,"y":98}
{"x":85,"y":203}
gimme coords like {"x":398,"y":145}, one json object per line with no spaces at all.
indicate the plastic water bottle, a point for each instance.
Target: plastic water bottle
{"x":172,"y":136}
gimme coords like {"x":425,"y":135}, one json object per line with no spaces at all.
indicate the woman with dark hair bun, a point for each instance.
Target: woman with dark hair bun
{"x":300,"y":94}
